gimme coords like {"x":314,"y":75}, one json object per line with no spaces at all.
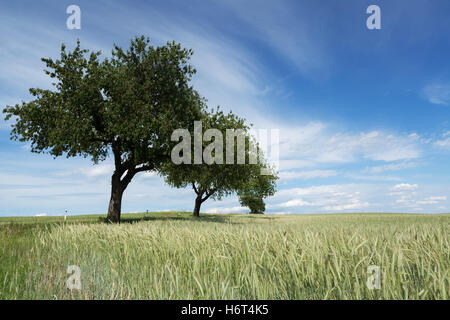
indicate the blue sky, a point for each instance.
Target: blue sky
{"x":363,"y":114}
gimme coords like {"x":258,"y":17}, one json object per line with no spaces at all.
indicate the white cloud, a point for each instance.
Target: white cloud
{"x":272,"y":23}
{"x":7,"y":101}
{"x":98,"y":170}
{"x":404,"y":187}
{"x":444,"y":144}
{"x":294,"y":203}
{"x":320,"y":198}
{"x":354,"y":197}
{"x":148,"y":174}
{"x":438,"y":93}
{"x":317,"y":143}
{"x":237,"y":209}
{"x":287,"y":175}
{"x":438,"y":198}
{"x":372,"y":177}
{"x":352,"y":205}
{"x":408,"y":201}
{"x":25,"y":44}
{"x":408,"y":197}
{"x":391,"y":167}
{"x":27,"y":146}
{"x":295,"y":164}
{"x":40,"y":215}
{"x":432,"y":200}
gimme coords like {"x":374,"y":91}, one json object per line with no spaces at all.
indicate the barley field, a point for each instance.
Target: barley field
{"x":173,"y":256}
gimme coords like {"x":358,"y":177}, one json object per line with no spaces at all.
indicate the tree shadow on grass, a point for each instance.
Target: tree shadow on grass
{"x":176,"y":217}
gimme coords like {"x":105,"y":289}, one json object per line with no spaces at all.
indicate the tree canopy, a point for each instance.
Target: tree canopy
{"x":125,"y":106}
{"x":214,"y":177}
{"x":256,"y":188}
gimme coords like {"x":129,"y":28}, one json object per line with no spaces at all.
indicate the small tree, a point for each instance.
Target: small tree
{"x":126,"y":106}
{"x":256,"y":189}
{"x":255,"y":204}
{"x":213,"y":177}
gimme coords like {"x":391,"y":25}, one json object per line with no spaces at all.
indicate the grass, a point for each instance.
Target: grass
{"x":173,"y":256}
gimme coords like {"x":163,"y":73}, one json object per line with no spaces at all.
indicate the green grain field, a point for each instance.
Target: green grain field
{"x":174,"y":256}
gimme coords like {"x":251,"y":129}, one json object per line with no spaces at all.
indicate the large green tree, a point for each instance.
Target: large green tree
{"x":125,"y":106}
{"x":215,"y":172}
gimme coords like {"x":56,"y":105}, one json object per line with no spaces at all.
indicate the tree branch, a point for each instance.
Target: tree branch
{"x":117,"y":155}
{"x":195,"y":188}
{"x":128,"y":177}
{"x":145,"y":168}
{"x":209,"y":194}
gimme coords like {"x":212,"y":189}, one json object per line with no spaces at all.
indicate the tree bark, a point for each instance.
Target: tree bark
{"x":200,"y":199}
{"x":198,"y":203}
{"x":123,"y":174}
{"x":115,"y":203}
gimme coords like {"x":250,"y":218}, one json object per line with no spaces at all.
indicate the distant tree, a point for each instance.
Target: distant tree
{"x":257,"y":188}
{"x":255,"y":204}
{"x":213,"y":178}
{"x":126,"y":106}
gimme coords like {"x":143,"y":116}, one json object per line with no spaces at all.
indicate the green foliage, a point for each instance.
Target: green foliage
{"x":131,"y":102}
{"x":127,"y":105}
{"x":256,"y":188}
{"x":255,"y":204}
{"x":215,"y":180}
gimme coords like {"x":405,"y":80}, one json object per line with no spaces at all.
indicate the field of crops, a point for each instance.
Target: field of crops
{"x":173,"y":256}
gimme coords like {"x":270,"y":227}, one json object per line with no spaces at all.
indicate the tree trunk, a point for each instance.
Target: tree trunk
{"x":115,"y":203}
{"x":198,"y":203}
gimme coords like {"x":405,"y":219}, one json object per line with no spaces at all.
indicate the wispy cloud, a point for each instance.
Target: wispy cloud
{"x":407,"y":196}
{"x":320,"y":198}
{"x":272,"y":23}
{"x":99,"y":170}
{"x":432,"y":200}
{"x":305,"y":175}
{"x":319,"y":144}
{"x":404,"y":187}
{"x":445,"y":143}
{"x":236,"y":209}
{"x":391,"y":167}
{"x":438,"y":93}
